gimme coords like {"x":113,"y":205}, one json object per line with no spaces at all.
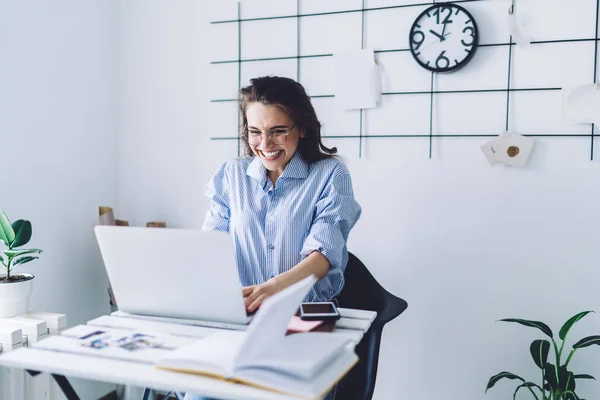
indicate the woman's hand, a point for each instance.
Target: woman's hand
{"x":256,"y":294}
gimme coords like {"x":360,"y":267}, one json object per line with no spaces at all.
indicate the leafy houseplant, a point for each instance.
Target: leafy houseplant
{"x":558,"y":383}
{"x":15,"y":290}
{"x":12,"y":236}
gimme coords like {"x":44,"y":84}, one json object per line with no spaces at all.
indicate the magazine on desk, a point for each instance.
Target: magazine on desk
{"x":129,"y":345}
{"x":303,"y":364}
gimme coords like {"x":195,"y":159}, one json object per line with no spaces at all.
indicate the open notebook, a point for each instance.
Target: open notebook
{"x":304,"y":364}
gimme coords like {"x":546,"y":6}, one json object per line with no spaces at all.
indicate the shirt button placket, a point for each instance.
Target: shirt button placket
{"x":269,"y":234}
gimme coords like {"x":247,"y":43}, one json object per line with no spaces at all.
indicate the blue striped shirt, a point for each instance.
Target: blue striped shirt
{"x":274,"y":227}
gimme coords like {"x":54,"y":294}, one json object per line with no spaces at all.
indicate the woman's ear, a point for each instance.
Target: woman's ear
{"x":302,"y":134}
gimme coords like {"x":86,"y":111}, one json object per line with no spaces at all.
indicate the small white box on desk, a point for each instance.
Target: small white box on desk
{"x":10,"y":338}
{"x":33,"y":329}
{"x":56,"y":323}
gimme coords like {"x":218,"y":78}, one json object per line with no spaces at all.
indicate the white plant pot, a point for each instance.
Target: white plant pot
{"x":14,"y":296}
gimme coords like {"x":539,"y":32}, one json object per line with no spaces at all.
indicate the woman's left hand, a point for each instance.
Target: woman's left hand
{"x":256,"y":294}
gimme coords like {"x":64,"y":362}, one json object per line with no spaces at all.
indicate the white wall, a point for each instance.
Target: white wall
{"x":58,"y":136}
{"x":465,"y":244}
{"x":160,"y":91}
{"x":58,"y":140}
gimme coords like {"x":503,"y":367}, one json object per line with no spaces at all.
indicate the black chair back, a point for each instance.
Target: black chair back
{"x":362,"y":291}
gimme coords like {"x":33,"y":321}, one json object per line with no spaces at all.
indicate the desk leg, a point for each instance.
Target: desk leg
{"x":66,"y":387}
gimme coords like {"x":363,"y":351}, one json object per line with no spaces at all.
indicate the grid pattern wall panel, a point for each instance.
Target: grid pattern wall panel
{"x":504,"y":87}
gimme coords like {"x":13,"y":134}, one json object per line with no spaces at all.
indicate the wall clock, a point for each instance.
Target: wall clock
{"x":444,"y":38}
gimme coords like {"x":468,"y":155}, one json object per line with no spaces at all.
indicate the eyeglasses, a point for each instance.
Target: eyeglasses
{"x":276,"y":136}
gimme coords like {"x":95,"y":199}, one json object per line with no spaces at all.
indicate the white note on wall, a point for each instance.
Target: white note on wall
{"x":357,"y":79}
{"x":518,"y":30}
{"x":508,"y":148}
{"x":581,"y":104}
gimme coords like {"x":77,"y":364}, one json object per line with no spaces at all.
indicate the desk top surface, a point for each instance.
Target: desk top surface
{"x":352,"y":324}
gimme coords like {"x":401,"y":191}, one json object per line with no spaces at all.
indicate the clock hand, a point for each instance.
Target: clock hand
{"x":444,"y":30}
{"x":437,"y":34}
{"x":435,"y":41}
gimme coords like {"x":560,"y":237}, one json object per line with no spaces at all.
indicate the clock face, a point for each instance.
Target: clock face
{"x":444,"y":38}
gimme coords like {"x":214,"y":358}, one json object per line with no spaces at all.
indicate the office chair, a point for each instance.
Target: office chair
{"x":362,"y":291}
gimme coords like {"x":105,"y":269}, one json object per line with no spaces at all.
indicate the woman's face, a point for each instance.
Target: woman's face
{"x":270,"y":118}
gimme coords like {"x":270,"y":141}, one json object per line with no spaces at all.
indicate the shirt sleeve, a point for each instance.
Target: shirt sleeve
{"x":336,"y":213}
{"x":217,"y":216}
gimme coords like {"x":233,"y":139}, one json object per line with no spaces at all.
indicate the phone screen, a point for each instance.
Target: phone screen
{"x":318,"y":308}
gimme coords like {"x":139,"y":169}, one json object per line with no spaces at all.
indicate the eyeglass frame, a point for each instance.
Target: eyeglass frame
{"x":269,"y":135}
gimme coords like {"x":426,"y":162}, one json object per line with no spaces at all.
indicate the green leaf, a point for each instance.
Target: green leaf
{"x":559,"y":379}
{"x":494,"y":379}
{"x":16,"y":253}
{"x":588,"y":341}
{"x":24,"y":260}
{"x":569,"y":384}
{"x":7,"y":234}
{"x":525,"y":385}
{"x":22,"y":230}
{"x":584,"y":376}
{"x":533,"y":324}
{"x":539,"y":351}
{"x":1,"y":258}
{"x":569,"y":324}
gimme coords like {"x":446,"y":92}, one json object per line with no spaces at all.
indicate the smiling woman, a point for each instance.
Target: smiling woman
{"x":288,"y":203}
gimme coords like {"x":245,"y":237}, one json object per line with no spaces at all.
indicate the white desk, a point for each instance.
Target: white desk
{"x":352,"y":324}
{"x":20,"y":331}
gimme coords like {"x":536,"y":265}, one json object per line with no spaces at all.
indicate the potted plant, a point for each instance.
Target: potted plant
{"x":558,"y":382}
{"x":15,"y":289}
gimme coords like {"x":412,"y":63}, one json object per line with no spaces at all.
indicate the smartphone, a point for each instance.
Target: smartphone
{"x":319,"y":311}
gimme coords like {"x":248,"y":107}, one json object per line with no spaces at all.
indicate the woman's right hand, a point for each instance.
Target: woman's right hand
{"x":256,"y":294}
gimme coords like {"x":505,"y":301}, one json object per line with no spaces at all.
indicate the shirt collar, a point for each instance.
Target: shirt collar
{"x":257,"y":170}
{"x":297,"y":168}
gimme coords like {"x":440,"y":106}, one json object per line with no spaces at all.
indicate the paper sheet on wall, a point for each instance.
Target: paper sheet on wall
{"x":581,"y":104}
{"x":508,"y":148}
{"x":357,"y":82}
{"x":518,"y":31}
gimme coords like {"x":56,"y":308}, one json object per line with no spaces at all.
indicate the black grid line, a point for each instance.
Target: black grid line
{"x":334,"y":12}
{"x":239,"y":28}
{"x":400,"y":50}
{"x":362,"y":46}
{"x":595,"y":75}
{"x":508,"y":90}
{"x":438,"y":135}
{"x":298,"y":40}
{"x":431,"y":93}
{"x":508,"y":83}
{"x":431,"y":87}
{"x":323,"y":96}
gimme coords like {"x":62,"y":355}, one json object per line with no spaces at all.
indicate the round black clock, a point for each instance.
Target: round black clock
{"x":444,"y":38}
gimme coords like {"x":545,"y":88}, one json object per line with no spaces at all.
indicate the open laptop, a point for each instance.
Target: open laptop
{"x":174,"y":275}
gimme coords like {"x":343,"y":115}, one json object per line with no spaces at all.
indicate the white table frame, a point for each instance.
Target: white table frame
{"x":353,"y":324}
